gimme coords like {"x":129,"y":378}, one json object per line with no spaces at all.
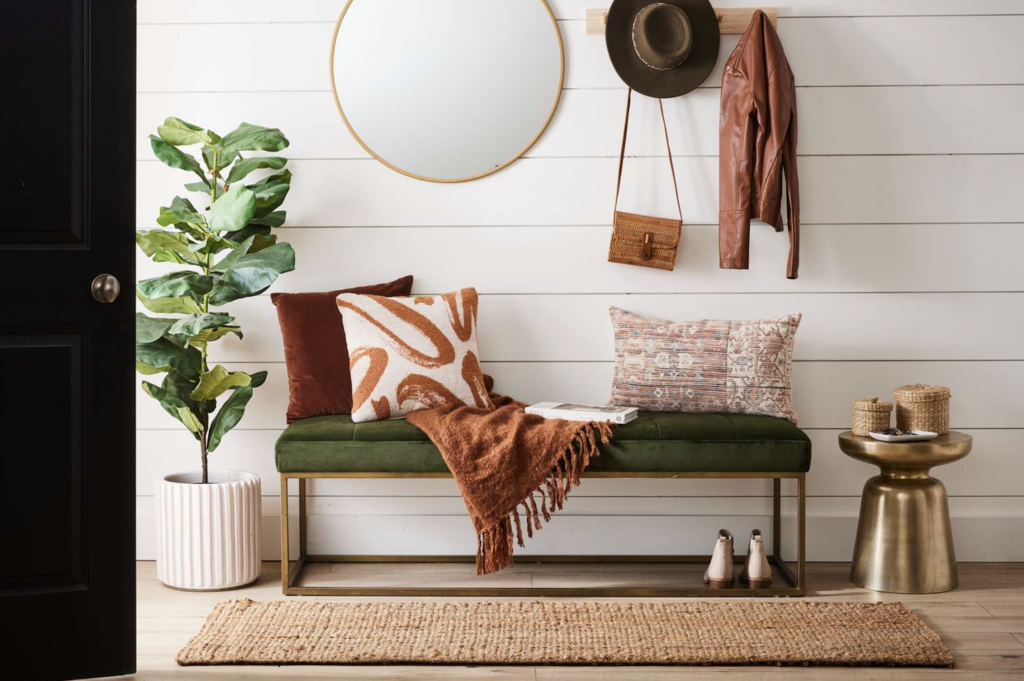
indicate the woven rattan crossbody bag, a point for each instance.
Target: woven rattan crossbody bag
{"x":641,"y":239}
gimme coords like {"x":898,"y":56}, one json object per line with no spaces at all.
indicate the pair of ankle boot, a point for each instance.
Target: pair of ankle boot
{"x":756,"y":572}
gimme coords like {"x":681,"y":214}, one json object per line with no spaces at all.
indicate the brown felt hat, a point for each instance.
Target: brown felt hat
{"x":662,"y":49}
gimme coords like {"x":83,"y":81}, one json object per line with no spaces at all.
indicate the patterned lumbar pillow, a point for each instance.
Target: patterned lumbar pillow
{"x":708,"y":366}
{"x":412,"y":353}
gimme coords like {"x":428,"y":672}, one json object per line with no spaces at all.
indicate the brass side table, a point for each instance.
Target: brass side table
{"x":904,"y":540}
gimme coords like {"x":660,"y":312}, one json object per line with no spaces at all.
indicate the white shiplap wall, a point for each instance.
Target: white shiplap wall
{"x":912,"y":161}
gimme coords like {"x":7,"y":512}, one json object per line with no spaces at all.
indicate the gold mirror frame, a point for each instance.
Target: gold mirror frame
{"x":547,"y":121}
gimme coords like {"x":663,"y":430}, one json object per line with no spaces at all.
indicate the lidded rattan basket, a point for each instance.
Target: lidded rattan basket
{"x":870,"y":415}
{"x":923,"y":407}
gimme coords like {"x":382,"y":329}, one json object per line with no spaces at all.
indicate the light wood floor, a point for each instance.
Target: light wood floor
{"x":982,"y":623}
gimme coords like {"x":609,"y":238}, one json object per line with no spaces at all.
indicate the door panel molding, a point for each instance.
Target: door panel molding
{"x":55,"y":561}
{"x":26,"y":223}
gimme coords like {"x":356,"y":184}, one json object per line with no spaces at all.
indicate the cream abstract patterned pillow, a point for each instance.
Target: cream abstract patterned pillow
{"x":412,"y":353}
{"x":738,"y":367}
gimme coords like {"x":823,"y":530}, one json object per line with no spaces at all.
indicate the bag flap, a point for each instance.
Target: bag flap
{"x":638,"y":240}
{"x":630,"y":229}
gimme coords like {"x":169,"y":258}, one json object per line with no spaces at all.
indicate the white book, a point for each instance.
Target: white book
{"x":583,"y":412}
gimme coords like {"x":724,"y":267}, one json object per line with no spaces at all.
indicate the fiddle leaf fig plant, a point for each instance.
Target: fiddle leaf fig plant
{"x":232,"y":253}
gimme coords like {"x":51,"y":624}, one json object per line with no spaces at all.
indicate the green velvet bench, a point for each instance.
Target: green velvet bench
{"x":655,"y":445}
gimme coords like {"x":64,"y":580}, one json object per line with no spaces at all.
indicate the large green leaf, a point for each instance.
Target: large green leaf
{"x":171,"y":216}
{"x":150,"y":240}
{"x":248,"y":137}
{"x":176,"y":258}
{"x":210,"y":335}
{"x":182,"y":387}
{"x":177,"y":129}
{"x":148,"y":370}
{"x":149,"y":329}
{"x":241,"y":169}
{"x":232,"y":411}
{"x":271,"y":192}
{"x":166,"y":354}
{"x":254,"y":244}
{"x":176,"y":284}
{"x":252,"y":273}
{"x":193,"y":324}
{"x":196,"y":231}
{"x":169,"y":305}
{"x":211,"y":245}
{"x":174,"y":406}
{"x":231,"y":258}
{"x":273,"y":219}
{"x":243,"y":234}
{"x":203,"y":188}
{"x":180,"y":203}
{"x":217,"y":381}
{"x":269,"y":186}
{"x":175,"y":158}
{"x":179,"y":133}
{"x":259,"y":242}
{"x":186,"y":416}
{"x":184,"y":216}
{"x":232,"y":211}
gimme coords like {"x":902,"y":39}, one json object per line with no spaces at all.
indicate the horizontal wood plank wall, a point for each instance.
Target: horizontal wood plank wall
{"x":911,"y":163}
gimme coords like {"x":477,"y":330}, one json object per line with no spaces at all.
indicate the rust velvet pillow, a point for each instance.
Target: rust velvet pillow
{"x":315,"y":350}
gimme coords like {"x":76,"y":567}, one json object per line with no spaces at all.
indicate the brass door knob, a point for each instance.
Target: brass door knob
{"x":106,"y":288}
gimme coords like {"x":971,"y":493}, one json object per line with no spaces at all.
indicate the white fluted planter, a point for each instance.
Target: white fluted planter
{"x":208,"y":536}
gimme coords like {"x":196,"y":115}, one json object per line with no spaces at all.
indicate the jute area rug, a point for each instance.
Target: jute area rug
{"x":536,"y":633}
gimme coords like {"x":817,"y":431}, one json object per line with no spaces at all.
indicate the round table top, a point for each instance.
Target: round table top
{"x":942,"y":450}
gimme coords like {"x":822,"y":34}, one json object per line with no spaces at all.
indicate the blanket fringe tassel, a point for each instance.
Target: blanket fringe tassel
{"x":495,"y":545}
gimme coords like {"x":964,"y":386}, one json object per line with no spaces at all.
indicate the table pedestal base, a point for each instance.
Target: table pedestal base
{"x":904,"y":539}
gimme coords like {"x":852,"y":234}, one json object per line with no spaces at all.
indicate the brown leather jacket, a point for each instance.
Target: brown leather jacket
{"x":757,"y":143}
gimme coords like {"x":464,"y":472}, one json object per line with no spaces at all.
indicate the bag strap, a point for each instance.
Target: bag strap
{"x":622,"y":154}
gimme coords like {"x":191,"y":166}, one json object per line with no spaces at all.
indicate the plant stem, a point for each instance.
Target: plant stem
{"x":203,"y":364}
{"x":202,"y":405}
{"x":205,"y":454}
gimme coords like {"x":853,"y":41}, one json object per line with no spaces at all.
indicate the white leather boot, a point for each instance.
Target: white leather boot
{"x":720,"y":572}
{"x":756,"y":571}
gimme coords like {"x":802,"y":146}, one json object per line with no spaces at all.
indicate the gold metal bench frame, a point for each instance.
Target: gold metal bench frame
{"x":787,"y":584}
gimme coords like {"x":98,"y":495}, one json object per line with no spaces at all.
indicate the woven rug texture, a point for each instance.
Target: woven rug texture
{"x":536,"y":633}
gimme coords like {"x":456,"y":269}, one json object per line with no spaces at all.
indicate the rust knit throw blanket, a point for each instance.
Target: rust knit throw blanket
{"x":500,"y":459}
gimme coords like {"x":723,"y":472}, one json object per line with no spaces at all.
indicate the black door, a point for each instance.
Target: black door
{"x":67,"y":450}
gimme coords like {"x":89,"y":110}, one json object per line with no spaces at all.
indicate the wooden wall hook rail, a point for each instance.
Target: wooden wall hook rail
{"x":730,"y":19}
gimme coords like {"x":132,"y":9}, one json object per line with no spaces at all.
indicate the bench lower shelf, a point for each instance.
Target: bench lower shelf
{"x":687,"y":584}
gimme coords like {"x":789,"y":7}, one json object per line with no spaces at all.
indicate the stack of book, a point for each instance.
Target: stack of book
{"x":583,"y":412}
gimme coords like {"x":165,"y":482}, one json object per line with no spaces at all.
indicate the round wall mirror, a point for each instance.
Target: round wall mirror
{"x":446,"y":90}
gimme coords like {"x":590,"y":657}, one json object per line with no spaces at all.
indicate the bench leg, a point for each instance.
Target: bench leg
{"x":798,"y":580}
{"x":801,"y":534}
{"x":777,"y":518}
{"x":302,"y":520}
{"x":285,"y":540}
{"x":290,"y":575}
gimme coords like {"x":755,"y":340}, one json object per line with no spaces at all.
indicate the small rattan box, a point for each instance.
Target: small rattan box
{"x":923,"y":407}
{"x":870,"y":415}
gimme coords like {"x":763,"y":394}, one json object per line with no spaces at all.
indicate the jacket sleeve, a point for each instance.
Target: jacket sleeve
{"x":792,"y":192}
{"x":737,"y":154}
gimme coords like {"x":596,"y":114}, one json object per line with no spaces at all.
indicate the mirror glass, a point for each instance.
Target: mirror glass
{"x":446,"y":90}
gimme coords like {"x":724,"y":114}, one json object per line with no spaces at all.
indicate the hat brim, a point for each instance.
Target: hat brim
{"x":653,"y":82}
